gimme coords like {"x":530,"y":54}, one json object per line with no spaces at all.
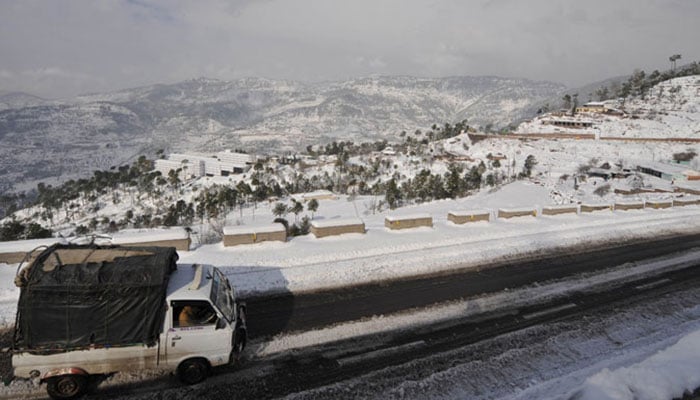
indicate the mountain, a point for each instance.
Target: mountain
{"x":18,"y":100}
{"x":63,"y":139}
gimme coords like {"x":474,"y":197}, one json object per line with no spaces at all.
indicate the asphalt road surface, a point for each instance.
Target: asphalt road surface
{"x":269,"y":316}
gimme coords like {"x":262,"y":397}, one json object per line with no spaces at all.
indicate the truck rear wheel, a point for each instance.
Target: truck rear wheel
{"x":193,"y":371}
{"x":66,"y":386}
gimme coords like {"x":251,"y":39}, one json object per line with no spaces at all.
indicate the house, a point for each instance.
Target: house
{"x":191,"y":166}
{"x":389,"y":151}
{"x":568,"y":123}
{"x":669,"y":172}
{"x":592,"y":107}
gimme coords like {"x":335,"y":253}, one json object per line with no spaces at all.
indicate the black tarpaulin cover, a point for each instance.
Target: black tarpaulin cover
{"x":78,"y":296}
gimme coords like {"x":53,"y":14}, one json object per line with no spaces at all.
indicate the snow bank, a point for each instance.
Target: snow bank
{"x":27,"y":245}
{"x":148,"y":235}
{"x":247,"y":229}
{"x":666,"y":375}
{"x":336,"y":222}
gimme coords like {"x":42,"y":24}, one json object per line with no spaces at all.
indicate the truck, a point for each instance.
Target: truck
{"x":96,"y":310}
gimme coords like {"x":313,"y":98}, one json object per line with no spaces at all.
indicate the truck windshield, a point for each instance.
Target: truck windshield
{"x":220,"y":295}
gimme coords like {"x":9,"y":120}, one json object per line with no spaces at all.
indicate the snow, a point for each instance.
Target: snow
{"x":468,"y":213}
{"x":247,"y":229}
{"x":392,"y":218}
{"x":667,"y":374}
{"x":305,"y":263}
{"x":148,"y":235}
{"x":336,"y":222}
{"x":669,"y":110}
{"x":517,"y":210}
{"x":629,"y":203}
{"x":596,"y":204}
{"x":27,"y":245}
{"x":561,"y":207}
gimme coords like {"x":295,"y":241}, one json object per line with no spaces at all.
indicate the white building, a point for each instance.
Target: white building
{"x":193,"y":166}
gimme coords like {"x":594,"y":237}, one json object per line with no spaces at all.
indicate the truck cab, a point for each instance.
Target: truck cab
{"x":203,"y":326}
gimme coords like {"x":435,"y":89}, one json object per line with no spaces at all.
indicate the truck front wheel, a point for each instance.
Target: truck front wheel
{"x":66,"y":386}
{"x":193,"y":371}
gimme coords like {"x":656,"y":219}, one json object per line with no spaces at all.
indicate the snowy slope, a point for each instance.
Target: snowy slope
{"x":671,"y":109}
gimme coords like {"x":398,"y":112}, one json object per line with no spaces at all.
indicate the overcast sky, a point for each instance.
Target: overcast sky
{"x":60,"y":48}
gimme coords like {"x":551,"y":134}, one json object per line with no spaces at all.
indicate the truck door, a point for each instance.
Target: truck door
{"x":197,"y":331}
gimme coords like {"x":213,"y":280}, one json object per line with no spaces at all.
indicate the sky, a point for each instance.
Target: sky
{"x":62,"y":48}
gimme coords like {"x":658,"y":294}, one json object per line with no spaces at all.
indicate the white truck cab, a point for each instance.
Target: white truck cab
{"x":203,"y":328}
{"x":181,"y":318}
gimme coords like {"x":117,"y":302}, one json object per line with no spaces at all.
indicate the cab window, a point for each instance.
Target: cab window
{"x":193,"y":313}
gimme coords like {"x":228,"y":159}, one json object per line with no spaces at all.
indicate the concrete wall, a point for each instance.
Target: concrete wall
{"x":658,"y":204}
{"x":408,"y":223}
{"x":560,"y":210}
{"x":595,"y":207}
{"x":685,"y":202}
{"x":179,"y":244}
{"x":504,"y":213}
{"x":687,"y":190}
{"x":254,"y":237}
{"x":629,"y":206}
{"x":323,"y":231}
{"x":463,"y":218}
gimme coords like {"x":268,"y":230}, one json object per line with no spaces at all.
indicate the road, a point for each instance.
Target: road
{"x":288,"y":313}
{"x":340,"y":361}
{"x":321,"y":372}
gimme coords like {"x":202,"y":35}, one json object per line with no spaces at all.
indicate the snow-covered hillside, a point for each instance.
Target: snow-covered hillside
{"x":671,"y":109}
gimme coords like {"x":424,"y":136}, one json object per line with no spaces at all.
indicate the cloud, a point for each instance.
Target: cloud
{"x":65,"y":48}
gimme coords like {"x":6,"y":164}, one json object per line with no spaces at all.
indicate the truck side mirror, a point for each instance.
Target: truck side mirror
{"x":220,"y":323}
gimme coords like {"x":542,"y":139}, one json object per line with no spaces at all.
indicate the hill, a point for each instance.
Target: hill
{"x":670,"y":109}
{"x":71,"y":138}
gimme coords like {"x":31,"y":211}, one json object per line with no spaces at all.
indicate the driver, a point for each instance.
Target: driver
{"x":194,"y":315}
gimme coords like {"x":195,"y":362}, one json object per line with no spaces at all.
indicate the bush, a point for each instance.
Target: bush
{"x":684,"y":156}
{"x":602,"y":190}
{"x":15,"y":230}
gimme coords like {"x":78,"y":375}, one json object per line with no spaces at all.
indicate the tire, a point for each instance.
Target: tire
{"x":66,"y":386}
{"x":240,"y":342}
{"x":193,"y":371}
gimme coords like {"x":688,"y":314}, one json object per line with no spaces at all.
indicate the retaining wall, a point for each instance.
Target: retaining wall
{"x":337,"y":227}
{"x":595,"y":207}
{"x":516,"y":212}
{"x":562,"y":209}
{"x":408,"y":221}
{"x":656,"y":204}
{"x":624,"y":206}
{"x":236,"y":235}
{"x":463,"y":217}
{"x":685,"y":202}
